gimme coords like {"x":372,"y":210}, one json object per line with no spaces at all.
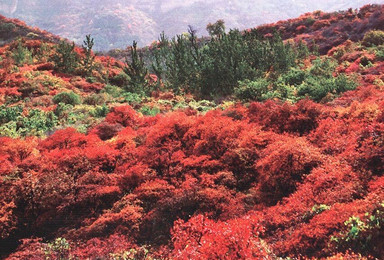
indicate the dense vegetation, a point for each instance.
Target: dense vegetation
{"x":115,"y":23}
{"x":241,"y":146}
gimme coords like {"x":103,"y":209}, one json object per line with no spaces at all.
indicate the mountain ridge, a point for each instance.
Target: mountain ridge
{"x":144,"y":20}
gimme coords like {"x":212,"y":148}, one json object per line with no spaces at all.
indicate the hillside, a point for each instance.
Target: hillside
{"x":242,"y":145}
{"x":116,"y":23}
{"x":323,"y":29}
{"x":11,"y":29}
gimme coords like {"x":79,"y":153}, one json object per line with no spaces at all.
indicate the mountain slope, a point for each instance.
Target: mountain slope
{"x":116,"y":23}
{"x":329,"y":29}
{"x":11,"y":29}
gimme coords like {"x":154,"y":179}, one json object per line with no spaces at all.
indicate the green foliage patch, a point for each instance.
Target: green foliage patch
{"x":70,"y":98}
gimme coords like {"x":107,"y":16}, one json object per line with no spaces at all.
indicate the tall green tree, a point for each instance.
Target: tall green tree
{"x":160,"y":54}
{"x":89,"y":60}
{"x":217,"y":29}
{"x":65,"y":58}
{"x":136,"y":70}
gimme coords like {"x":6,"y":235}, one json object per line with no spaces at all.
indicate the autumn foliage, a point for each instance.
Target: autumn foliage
{"x":167,"y":177}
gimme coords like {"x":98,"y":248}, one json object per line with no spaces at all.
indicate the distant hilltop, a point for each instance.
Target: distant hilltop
{"x":116,"y":23}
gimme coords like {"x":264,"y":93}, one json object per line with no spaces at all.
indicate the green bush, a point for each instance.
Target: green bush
{"x":309,"y":21}
{"x":323,"y":67}
{"x":316,"y":82}
{"x":282,"y":91}
{"x":100,"y":111}
{"x":373,"y":38}
{"x":365,"y":62}
{"x":344,"y":83}
{"x":285,"y":87}
{"x":7,"y":27}
{"x":78,"y":118}
{"x":319,"y":81}
{"x":318,"y":87}
{"x":112,"y":90}
{"x":132,"y":98}
{"x":9,"y":129}
{"x":58,"y":249}
{"x":65,"y":58}
{"x":202,"y":105}
{"x":91,"y":79}
{"x":37,"y":123}
{"x":149,"y":111}
{"x":121,"y":80}
{"x":251,"y":90}
{"x":22,"y":55}
{"x":294,"y":76}
{"x":379,"y":53}
{"x":212,"y":69}
{"x":62,"y":110}
{"x":70,"y":98}
{"x":8,"y":114}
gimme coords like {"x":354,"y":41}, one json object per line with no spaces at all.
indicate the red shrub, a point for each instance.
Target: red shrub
{"x":29,"y":249}
{"x":124,"y":115}
{"x":320,"y":24}
{"x":371,"y":149}
{"x":132,"y":176}
{"x":201,"y":238}
{"x":300,"y":118}
{"x":46,"y":66}
{"x":124,"y":217}
{"x":301,"y":29}
{"x":97,"y":248}
{"x":283,"y":165}
{"x":106,"y":131}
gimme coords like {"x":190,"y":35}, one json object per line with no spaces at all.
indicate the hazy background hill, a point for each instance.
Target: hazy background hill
{"x":116,"y":23}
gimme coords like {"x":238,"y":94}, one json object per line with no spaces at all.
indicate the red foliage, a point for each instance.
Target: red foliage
{"x":106,"y":131}
{"x":235,"y":239}
{"x":152,"y":191}
{"x":283,"y":165}
{"x":8,"y":220}
{"x":88,"y":87}
{"x":29,"y":249}
{"x":17,"y":151}
{"x":102,"y":247}
{"x":336,"y":27}
{"x":320,"y":24}
{"x":124,"y":115}
{"x":371,"y":152}
{"x":46,"y":66}
{"x":132,"y":177}
{"x":334,"y":136}
{"x":64,"y":139}
{"x":262,"y":181}
{"x":310,"y":237}
{"x":301,"y":29}
{"x":300,"y":118}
